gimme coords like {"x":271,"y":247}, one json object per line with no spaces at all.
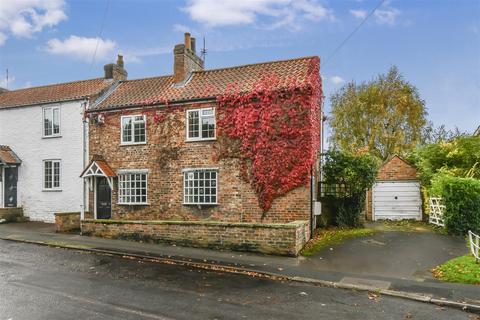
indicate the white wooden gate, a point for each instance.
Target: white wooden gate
{"x":437,"y":208}
{"x":397,"y":200}
{"x":474,"y":244}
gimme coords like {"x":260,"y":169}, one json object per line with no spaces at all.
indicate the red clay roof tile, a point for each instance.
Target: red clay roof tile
{"x":53,"y":93}
{"x":203,"y":84}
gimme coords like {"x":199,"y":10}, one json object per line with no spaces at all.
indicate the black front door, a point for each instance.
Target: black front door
{"x":104,"y":199}
{"x":11,"y":177}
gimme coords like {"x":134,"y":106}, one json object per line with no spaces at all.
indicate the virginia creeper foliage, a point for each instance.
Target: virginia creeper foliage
{"x":275,"y":132}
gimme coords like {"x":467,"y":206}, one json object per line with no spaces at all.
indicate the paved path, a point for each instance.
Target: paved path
{"x":403,"y":255}
{"x":314,"y":268}
{"x":38,"y":282}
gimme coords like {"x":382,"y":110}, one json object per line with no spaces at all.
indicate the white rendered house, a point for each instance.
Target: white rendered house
{"x":44,"y":128}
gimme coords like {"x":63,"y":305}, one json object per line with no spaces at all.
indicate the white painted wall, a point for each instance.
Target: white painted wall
{"x":21,"y":129}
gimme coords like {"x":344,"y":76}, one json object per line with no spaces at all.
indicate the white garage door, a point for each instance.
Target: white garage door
{"x":397,"y":200}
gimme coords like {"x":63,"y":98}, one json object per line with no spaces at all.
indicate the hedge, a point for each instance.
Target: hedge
{"x":462,"y":199}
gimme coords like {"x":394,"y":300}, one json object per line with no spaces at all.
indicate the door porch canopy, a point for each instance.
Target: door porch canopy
{"x":98,"y":168}
{"x":8,"y":157}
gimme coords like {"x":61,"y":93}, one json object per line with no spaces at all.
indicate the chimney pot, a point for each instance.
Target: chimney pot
{"x":116,"y":71}
{"x":188,"y":42}
{"x":120,"y":60}
{"x":185,"y":60}
{"x":193,"y":44}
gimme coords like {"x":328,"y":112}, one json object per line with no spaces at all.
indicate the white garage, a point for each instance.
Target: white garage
{"x":396,"y":200}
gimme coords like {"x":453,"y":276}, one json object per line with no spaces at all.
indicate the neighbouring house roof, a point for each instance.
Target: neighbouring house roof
{"x":98,"y":167}
{"x":7,"y":156}
{"x":53,"y":93}
{"x":205,"y":84}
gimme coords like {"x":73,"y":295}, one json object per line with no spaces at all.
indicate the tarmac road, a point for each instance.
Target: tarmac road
{"x":49,"y":283}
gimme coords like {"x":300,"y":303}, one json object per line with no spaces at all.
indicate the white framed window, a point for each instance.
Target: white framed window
{"x":51,"y":121}
{"x":201,"y":124}
{"x":200,"y":186}
{"x":51,"y":174}
{"x":132,"y":187}
{"x":133,"y":129}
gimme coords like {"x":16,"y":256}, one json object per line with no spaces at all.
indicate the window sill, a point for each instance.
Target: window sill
{"x":133,"y":204}
{"x":51,"y":190}
{"x":132,"y":144}
{"x":200,"y":139}
{"x":201,"y":204}
{"x":52,"y":137}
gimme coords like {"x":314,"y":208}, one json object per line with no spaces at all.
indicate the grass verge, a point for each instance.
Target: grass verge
{"x":463,"y":269}
{"x":327,"y":237}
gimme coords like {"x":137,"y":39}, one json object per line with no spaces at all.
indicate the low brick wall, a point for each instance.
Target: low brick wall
{"x":271,"y":238}
{"x":11,"y":215}
{"x":68,"y":221}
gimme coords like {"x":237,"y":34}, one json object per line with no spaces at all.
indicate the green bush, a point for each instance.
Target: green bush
{"x":357,"y":174}
{"x":462,"y":200}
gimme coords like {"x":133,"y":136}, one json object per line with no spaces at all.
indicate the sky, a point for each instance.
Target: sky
{"x":434,"y":43}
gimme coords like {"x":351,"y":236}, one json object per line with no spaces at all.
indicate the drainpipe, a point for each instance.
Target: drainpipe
{"x":84,"y":157}
{"x":312,"y":213}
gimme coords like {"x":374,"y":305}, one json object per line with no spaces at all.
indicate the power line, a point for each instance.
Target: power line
{"x":100,"y":33}
{"x":353,"y":32}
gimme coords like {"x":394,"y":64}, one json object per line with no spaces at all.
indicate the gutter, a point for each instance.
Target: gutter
{"x":142,"y":106}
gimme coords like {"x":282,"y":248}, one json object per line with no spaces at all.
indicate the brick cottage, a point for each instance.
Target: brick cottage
{"x":170,"y":161}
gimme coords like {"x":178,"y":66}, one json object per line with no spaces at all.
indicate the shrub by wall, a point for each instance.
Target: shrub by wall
{"x":462,"y":199}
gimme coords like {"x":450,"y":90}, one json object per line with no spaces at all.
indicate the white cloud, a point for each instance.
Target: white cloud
{"x":387,"y":16}
{"x":336,"y":80}
{"x":360,"y":14}
{"x":181,"y":28}
{"x":82,"y":48}
{"x":23,"y":18}
{"x":278,"y":13}
{"x":4,"y":84}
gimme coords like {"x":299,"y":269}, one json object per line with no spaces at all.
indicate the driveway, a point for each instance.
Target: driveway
{"x":395,"y":254}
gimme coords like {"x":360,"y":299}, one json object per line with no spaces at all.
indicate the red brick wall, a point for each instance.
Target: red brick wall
{"x":281,"y":239}
{"x":237,"y":200}
{"x":397,"y":169}
{"x":394,"y":169}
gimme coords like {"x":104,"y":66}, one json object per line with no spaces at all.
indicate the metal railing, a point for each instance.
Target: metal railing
{"x":474,"y":244}
{"x":437,"y":208}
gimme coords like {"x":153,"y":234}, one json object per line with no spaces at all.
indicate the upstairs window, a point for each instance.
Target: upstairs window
{"x":133,"y":130}
{"x":51,"y":121}
{"x":51,"y":180}
{"x":200,"y":186}
{"x":201,"y":124}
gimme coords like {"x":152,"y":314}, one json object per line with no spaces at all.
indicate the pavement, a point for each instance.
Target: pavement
{"x":46,"y":283}
{"x":394,"y":262}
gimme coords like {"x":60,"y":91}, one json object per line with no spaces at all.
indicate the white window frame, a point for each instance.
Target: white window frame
{"x":51,"y":109}
{"x":200,"y":116}
{"x":132,"y":130}
{"x":192,"y":170}
{"x":122,"y":173}
{"x":53,"y":188}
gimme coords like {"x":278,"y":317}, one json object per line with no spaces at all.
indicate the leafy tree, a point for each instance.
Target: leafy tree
{"x":441,"y":133}
{"x":357,"y":174}
{"x":384,"y":116}
{"x":458,"y":157}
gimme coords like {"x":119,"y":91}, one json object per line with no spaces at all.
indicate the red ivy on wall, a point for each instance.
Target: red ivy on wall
{"x":277,"y":132}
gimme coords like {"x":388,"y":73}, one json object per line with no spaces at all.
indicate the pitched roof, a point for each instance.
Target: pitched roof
{"x":94,"y":165}
{"x":53,"y":93}
{"x":7,"y":156}
{"x":203,"y":84}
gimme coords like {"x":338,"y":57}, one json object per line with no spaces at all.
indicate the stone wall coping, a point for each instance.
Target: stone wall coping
{"x":289,"y":225}
{"x":68,"y":213}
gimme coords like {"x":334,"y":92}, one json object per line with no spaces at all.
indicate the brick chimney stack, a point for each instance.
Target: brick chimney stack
{"x":185,"y":60}
{"x":116,"y":71}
